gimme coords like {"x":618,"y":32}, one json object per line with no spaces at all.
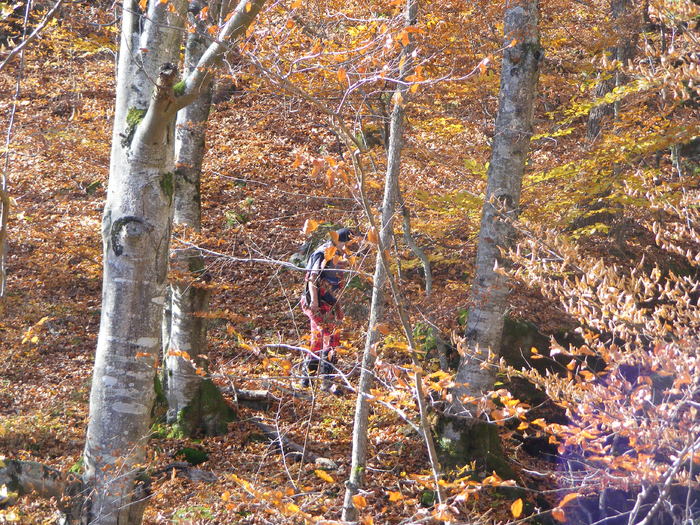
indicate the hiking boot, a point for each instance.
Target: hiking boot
{"x":333,"y":389}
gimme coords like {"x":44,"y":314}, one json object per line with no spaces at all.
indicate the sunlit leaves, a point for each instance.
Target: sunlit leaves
{"x":559,"y":515}
{"x":330,"y":252}
{"x":359,"y":501}
{"x":372,"y":236}
{"x":600,"y":397}
{"x":395,"y":496}
{"x":325,"y":476}
{"x":516,"y":508}
{"x":310,"y":226}
{"x":31,"y":335}
{"x":569,"y":497}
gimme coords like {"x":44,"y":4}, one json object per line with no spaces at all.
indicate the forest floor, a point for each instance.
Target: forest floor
{"x":255,"y":204}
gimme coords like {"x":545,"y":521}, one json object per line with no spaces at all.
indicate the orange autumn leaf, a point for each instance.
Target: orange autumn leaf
{"x":296,"y":4}
{"x":372,"y":236}
{"x":329,"y":252}
{"x":559,"y":515}
{"x":342,"y":76}
{"x":484,"y":65}
{"x":568,"y":498}
{"x":322,"y":474}
{"x":318,"y":164}
{"x":310,"y":226}
{"x":516,"y":508}
{"x":359,"y":501}
{"x":383,"y":328}
{"x":395,"y":496}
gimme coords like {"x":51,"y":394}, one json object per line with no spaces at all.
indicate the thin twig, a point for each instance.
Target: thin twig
{"x":31,"y":37}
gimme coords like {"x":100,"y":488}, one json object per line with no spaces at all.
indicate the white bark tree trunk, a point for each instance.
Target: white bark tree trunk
{"x":520,"y":71}
{"x":136,"y":234}
{"x":391,"y":187}
{"x":184,"y":388}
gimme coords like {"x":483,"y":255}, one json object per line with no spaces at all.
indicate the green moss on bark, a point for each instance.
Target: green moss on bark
{"x":167,"y":184}
{"x":462,"y":441}
{"x":209,"y":412}
{"x":179,"y":88}
{"x":134,"y":116}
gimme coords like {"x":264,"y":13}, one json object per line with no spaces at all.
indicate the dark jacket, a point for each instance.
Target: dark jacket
{"x":325,"y":273}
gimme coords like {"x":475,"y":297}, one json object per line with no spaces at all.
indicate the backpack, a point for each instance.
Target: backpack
{"x":313,"y":265}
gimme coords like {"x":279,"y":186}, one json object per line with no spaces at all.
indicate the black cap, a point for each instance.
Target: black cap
{"x":344,"y":234}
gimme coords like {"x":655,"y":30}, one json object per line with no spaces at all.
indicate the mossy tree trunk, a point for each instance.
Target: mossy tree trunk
{"x":136,"y":234}
{"x":462,"y":440}
{"x":194,"y":403}
{"x":136,"y":240}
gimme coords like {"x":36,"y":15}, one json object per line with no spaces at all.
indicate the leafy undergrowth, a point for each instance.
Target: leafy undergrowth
{"x":259,"y":188}
{"x":255,"y":204}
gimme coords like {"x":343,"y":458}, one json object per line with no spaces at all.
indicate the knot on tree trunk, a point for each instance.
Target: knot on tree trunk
{"x":167,"y":71}
{"x":128,"y":226}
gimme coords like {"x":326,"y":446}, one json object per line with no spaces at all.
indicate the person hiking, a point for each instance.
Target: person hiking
{"x":322,"y":307}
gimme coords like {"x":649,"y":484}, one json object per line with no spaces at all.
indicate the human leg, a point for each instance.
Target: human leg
{"x":311,"y":362}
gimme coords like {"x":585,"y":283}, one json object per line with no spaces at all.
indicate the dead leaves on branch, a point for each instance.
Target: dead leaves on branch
{"x":637,"y":374}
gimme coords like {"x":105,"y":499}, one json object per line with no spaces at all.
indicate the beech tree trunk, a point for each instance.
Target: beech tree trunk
{"x":136,"y":234}
{"x":520,"y":71}
{"x":626,"y":25}
{"x":391,"y":187}
{"x":194,"y":403}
